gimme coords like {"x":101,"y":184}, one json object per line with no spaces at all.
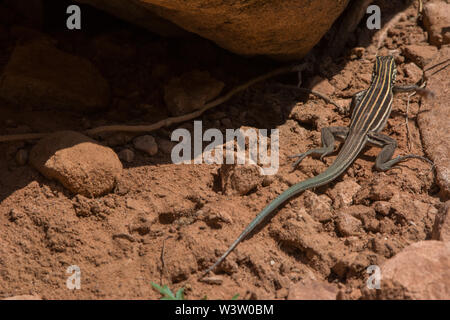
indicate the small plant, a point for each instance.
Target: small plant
{"x":167,"y":293}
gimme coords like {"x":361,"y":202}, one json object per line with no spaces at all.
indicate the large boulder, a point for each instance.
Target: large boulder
{"x":433,"y":122}
{"x":285,"y":29}
{"x":419,"y":272}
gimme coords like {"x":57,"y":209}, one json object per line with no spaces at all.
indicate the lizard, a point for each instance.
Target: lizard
{"x":370,"y":110}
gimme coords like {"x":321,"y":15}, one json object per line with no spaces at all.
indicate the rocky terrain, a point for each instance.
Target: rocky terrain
{"x":114,"y":204}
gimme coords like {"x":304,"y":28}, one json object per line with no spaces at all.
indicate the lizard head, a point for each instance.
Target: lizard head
{"x":384,"y":65}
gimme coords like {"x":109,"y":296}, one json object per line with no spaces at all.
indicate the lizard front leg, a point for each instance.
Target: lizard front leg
{"x":328,"y":140}
{"x":413,"y":87}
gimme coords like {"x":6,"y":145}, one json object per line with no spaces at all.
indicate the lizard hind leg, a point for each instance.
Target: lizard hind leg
{"x":384,"y":160}
{"x":329,"y":134}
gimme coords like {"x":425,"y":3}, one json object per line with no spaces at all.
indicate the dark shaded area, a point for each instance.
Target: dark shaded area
{"x":150,"y":66}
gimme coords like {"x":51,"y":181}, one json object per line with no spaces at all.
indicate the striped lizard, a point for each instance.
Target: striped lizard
{"x":370,"y":110}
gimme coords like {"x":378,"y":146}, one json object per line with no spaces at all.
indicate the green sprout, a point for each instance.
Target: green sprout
{"x":167,"y":293}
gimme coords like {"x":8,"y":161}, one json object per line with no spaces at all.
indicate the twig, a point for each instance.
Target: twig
{"x":439,"y":70}
{"x":169,"y":121}
{"x":25,"y":136}
{"x":163,"y":263}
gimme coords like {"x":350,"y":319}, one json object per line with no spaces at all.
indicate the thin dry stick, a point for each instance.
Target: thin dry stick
{"x":163,"y":263}
{"x":25,"y":136}
{"x":166,"y":122}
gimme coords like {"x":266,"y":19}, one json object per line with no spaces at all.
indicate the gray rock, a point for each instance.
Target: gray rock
{"x":147,"y":144}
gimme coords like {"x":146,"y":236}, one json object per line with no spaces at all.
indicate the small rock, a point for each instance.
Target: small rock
{"x":217,"y":280}
{"x":319,"y":207}
{"x":22,"y":157}
{"x":79,"y":163}
{"x":441,"y":227}
{"x":126,"y":155}
{"x":166,"y":146}
{"x":239,"y":179}
{"x":39,"y":75}
{"x":420,"y":55}
{"x":312,"y":290}
{"x":268,"y":180}
{"x":381,"y":191}
{"x":436,"y":19}
{"x":322,"y":85}
{"x":413,"y":72}
{"x":343,"y":193}
{"x":147,"y":144}
{"x":348,"y":225}
{"x":216,"y":214}
{"x":382,"y":207}
{"x":344,"y":105}
{"x":190,"y":92}
{"x":419,"y":272}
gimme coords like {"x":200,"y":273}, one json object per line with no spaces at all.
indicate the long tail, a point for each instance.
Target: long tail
{"x":328,"y":175}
